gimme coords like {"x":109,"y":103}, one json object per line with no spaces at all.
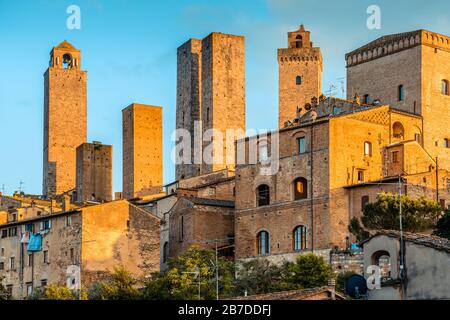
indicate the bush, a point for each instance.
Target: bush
{"x":120,"y":286}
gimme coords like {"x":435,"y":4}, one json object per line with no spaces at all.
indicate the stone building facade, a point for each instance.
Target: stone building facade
{"x":330,"y":159}
{"x":65,"y":118}
{"x":426,"y":266}
{"x":94,"y":172}
{"x":300,"y":75}
{"x":210,"y":91}
{"x":202,"y":222}
{"x":411,"y":72}
{"x":142,"y":150}
{"x":93,"y":239}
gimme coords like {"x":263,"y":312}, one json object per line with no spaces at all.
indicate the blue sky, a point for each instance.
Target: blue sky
{"x":129,"y":51}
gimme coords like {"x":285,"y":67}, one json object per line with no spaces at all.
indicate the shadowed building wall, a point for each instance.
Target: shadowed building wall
{"x":94,"y":172}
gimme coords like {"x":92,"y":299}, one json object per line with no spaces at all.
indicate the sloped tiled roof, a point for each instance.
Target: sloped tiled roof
{"x":426,"y":240}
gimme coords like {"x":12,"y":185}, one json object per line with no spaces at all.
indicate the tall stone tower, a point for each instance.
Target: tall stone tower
{"x":65,"y":117}
{"x":189,"y":66}
{"x":94,"y":172}
{"x":142,"y":150}
{"x":300,"y":75}
{"x":211,"y":89}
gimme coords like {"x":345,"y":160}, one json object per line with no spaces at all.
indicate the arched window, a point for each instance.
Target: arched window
{"x":300,"y":242}
{"x":298,"y":80}
{"x":263,"y":195}
{"x":298,"y":41}
{"x":398,"y":130}
{"x":165,"y":252}
{"x":368,"y":148}
{"x":444,"y":87}
{"x":67,"y":61}
{"x":300,"y":188}
{"x":263,"y":243}
{"x":382,"y":259}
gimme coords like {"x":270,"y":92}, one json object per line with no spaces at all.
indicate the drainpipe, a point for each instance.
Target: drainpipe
{"x":312,"y":187}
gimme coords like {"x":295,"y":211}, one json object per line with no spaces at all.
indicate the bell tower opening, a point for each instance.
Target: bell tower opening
{"x":67,"y":61}
{"x":298,"y":41}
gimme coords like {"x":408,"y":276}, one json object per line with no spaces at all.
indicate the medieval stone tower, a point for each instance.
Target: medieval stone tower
{"x":211,"y":89}
{"x":300,"y":75}
{"x":142,"y":150}
{"x":189,"y":67}
{"x":65,"y":114}
{"x":94,"y":172}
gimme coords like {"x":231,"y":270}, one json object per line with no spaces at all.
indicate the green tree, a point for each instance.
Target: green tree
{"x":417,"y":215}
{"x":120,"y":286}
{"x":4,"y":295}
{"x":442,"y":228}
{"x":309,"y":271}
{"x":55,"y":292}
{"x":185,"y":272}
{"x":258,"y":276}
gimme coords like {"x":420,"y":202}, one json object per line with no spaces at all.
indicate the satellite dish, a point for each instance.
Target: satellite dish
{"x":356,"y":286}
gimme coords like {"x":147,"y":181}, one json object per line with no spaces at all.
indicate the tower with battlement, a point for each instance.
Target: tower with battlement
{"x":300,"y":75}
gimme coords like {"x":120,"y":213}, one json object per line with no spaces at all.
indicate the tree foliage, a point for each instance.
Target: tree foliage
{"x":185,"y":273}
{"x":260,"y":276}
{"x":309,"y":271}
{"x":120,"y":286}
{"x":4,"y":295}
{"x":417,"y":215}
{"x":442,"y":228}
{"x":55,"y":292}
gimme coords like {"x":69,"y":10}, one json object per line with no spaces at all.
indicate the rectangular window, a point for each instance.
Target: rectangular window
{"x":12,"y":232}
{"x":4,"y":233}
{"x":401,"y":93}
{"x":212,"y":191}
{"x":45,"y":253}
{"x":43,"y":282}
{"x":30,"y":260}
{"x":2,"y":265}
{"x":71,"y":254}
{"x":366,"y":99}
{"x":68,"y":221}
{"x":360,"y":175}
{"x":12,"y":263}
{"x":367,"y":149}
{"x":301,"y":142}
{"x":29,"y":288}
{"x":395,"y":157}
{"x":447,"y":143}
{"x":46,"y":225}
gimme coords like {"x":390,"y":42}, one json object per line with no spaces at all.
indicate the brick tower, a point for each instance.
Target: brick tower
{"x":65,"y":116}
{"x":94,"y":172}
{"x":300,"y":75}
{"x":142,"y":150}
{"x":189,"y":63}
{"x":211,"y":90}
